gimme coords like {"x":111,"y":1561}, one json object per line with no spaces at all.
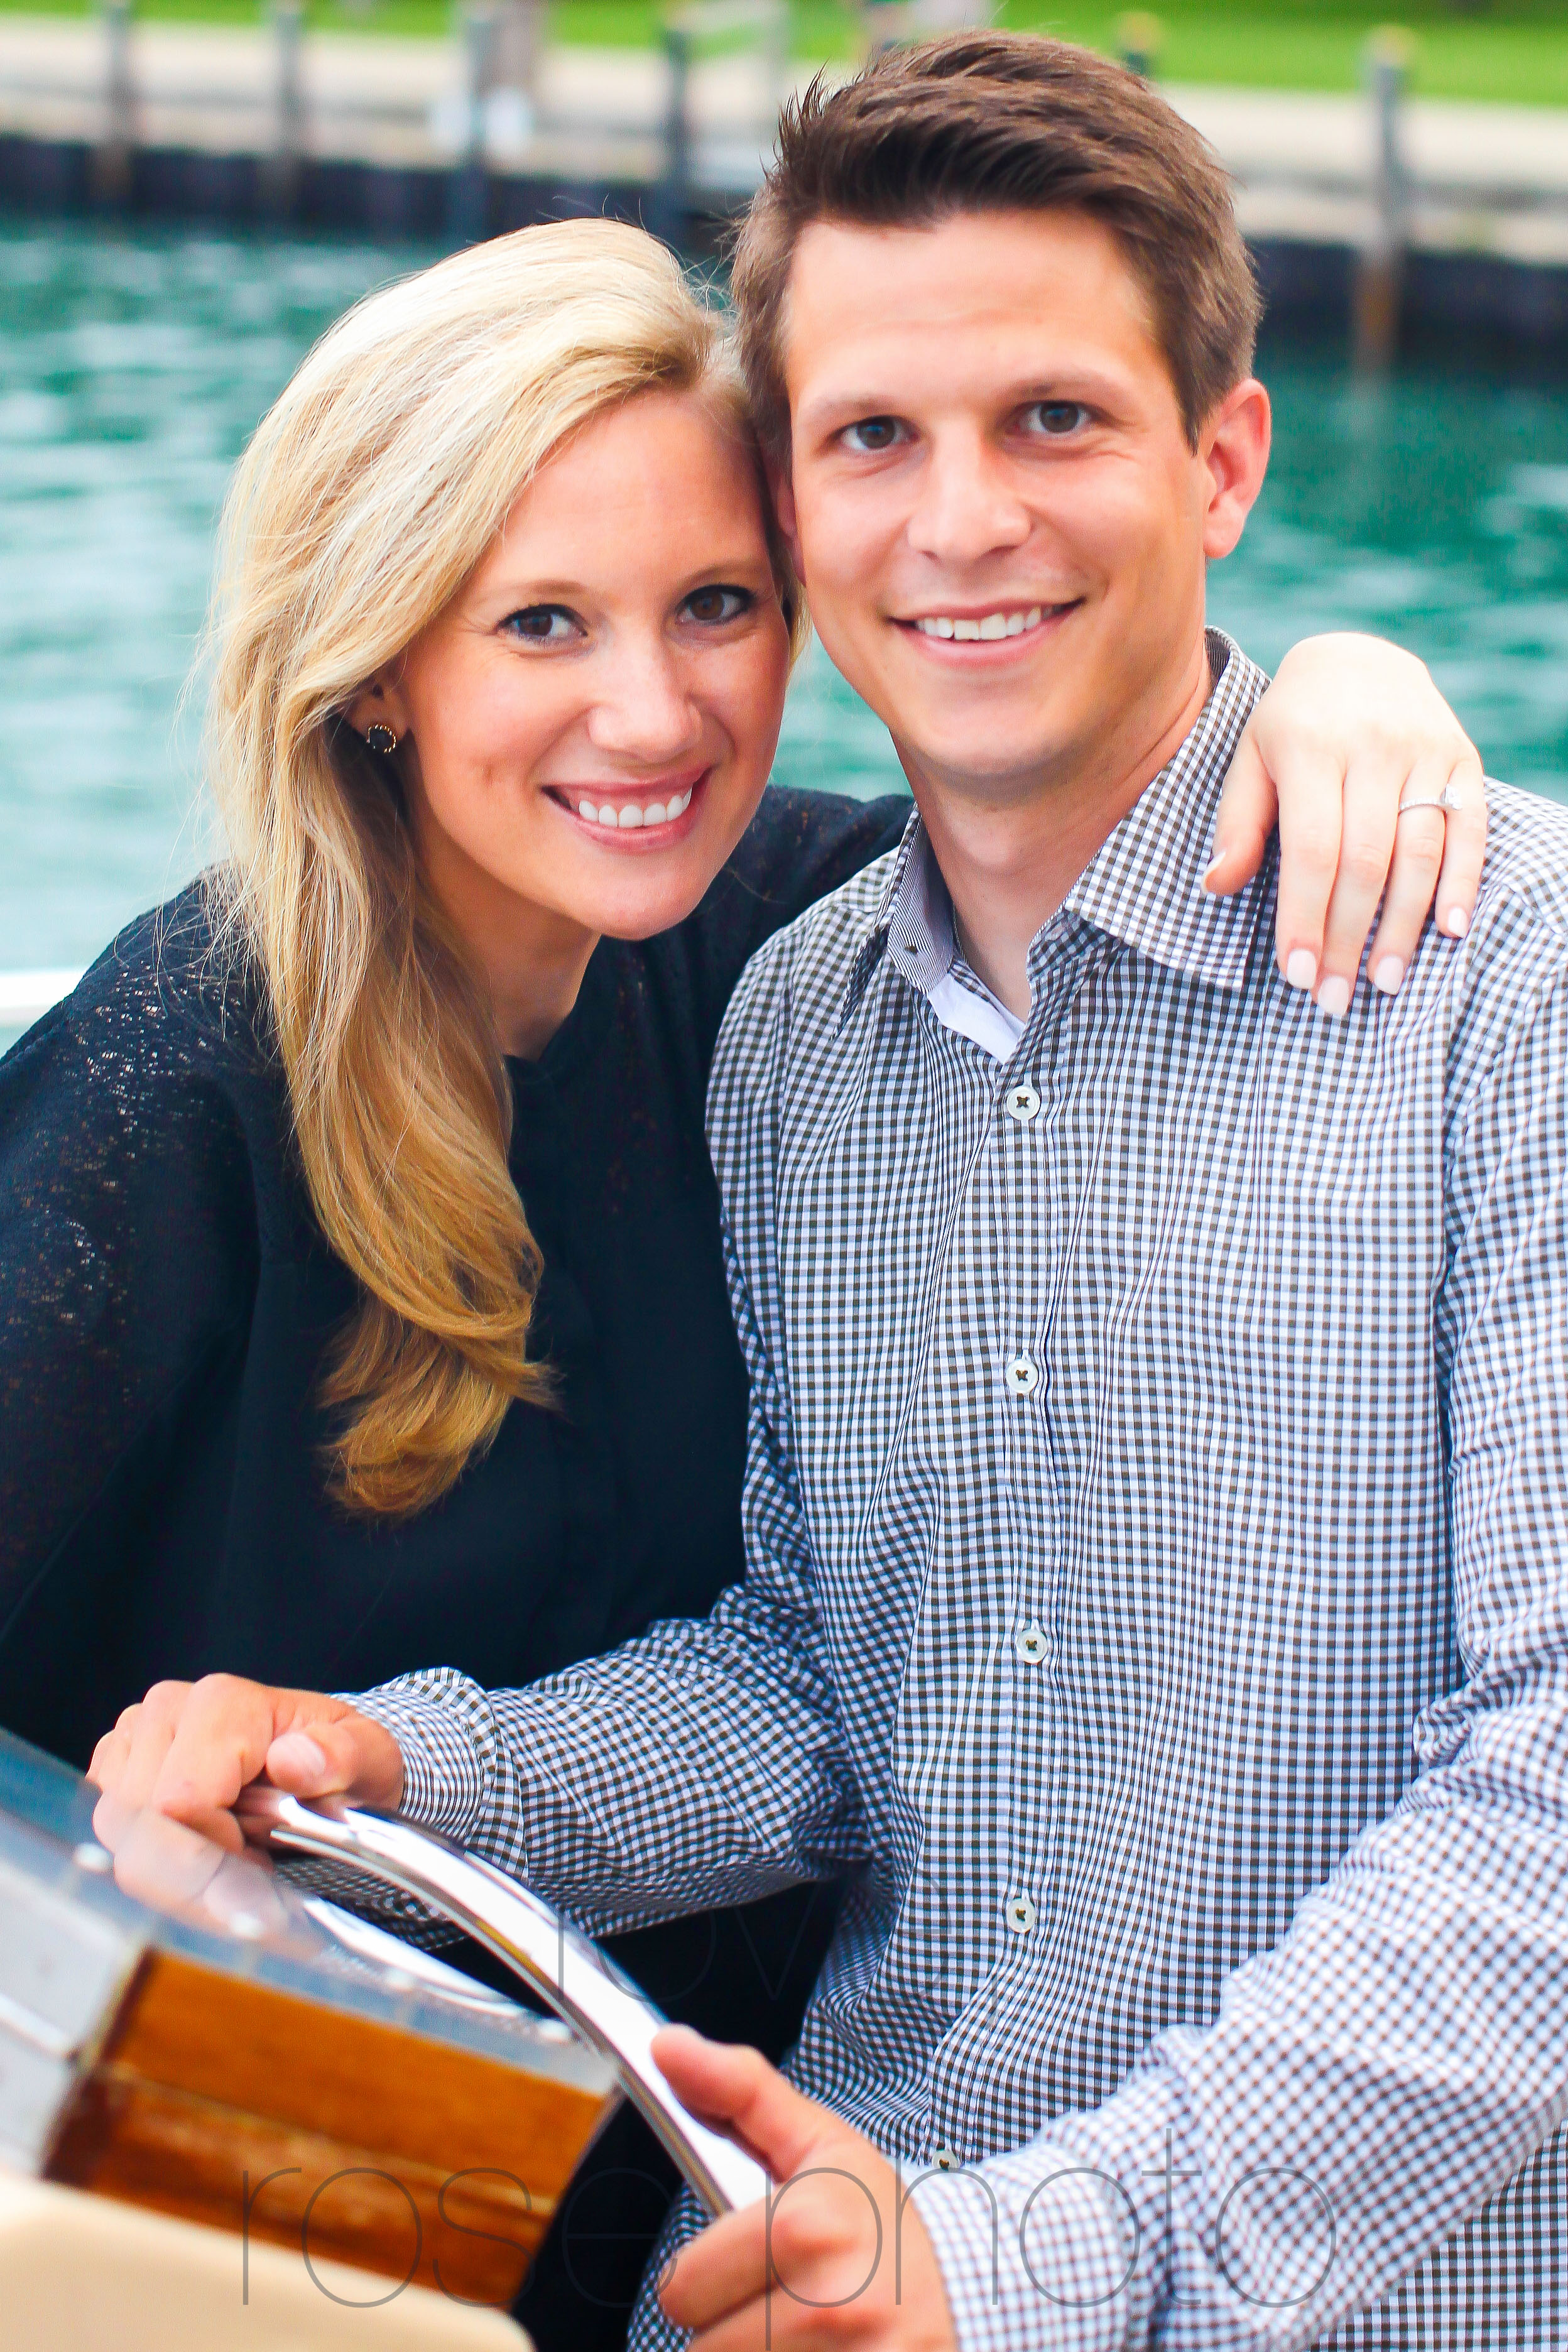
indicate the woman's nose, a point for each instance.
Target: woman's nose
{"x":646,"y":711}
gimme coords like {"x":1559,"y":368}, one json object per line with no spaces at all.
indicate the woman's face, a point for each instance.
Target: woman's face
{"x":585,"y":732}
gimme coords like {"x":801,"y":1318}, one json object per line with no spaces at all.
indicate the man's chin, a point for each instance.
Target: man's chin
{"x":984,"y":764}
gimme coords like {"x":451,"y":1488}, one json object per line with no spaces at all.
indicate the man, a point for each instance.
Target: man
{"x":1156,"y":1520}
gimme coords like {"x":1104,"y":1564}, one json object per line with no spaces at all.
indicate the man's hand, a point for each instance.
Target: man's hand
{"x":829,"y":2259}
{"x":1350,"y":728}
{"x":189,"y":1750}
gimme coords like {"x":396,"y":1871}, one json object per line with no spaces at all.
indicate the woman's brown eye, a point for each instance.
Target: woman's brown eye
{"x":718,"y":604}
{"x":540,"y":625}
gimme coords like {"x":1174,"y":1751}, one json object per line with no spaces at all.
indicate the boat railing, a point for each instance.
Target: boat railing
{"x":27,"y":996}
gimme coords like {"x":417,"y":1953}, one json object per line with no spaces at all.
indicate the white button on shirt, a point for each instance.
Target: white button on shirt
{"x":1023,"y":1375}
{"x":1022,"y":1102}
{"x":1031,"y":1645}
{"x":1020,"y":1914}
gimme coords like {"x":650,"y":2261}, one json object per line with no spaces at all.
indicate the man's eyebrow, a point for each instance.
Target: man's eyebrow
{"x":1071,"y":379}
{"x":850,"y":403}
{"x":1057,"y":385}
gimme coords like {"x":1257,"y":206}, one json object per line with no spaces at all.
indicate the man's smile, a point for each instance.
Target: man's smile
{"x":990,"y":626}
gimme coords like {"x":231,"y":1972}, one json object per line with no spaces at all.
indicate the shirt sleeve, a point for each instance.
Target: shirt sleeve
{"x":698,"y":1766}
{"x":1370,"y":2082}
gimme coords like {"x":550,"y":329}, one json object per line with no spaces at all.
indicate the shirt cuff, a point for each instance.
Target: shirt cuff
{"x":440,"y":1721}
{"x":1051,"y":2268}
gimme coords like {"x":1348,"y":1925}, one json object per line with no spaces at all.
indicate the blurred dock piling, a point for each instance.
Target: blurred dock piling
{"x":1380,"y":272}
{"x":280,"y":168}
{"x":468,"y":199}
{"x":761,"y":26}
{"x":112,"y":158}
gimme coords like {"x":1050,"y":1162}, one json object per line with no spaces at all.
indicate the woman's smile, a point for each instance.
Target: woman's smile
{"x":643,"y":817}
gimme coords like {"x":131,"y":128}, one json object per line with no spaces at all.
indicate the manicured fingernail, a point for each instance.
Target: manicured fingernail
{"x":1335,"y":996}
{"x":1215,"y":862}
{"x":1386,"y":973}
{"x":1456,"y":922}
{"x":298,"y":1752}
{"x":1301,"y":968}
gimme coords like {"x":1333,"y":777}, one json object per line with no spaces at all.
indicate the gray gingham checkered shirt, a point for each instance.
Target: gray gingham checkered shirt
{"x":1157,"y":1519}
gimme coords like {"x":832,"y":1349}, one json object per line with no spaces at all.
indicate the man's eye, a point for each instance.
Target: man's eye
{"x":712,"y":606}
{"x":1056,"y":418}
{"x":871,"y":435}
{"x":541,"y":624}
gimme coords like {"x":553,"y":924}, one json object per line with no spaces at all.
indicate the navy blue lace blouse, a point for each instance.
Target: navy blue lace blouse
{"x":164,"y":1299}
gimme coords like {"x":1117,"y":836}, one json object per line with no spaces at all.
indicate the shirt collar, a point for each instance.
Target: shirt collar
{"x":1145,"y":882}
{"x":1143,"y":885}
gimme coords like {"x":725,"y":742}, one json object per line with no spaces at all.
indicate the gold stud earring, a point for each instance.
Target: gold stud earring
{"x":380,"y":738}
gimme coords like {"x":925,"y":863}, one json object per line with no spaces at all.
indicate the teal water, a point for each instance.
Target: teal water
{"x":132,"y":365}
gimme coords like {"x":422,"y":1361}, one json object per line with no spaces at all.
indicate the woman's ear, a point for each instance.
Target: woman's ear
{"x":379,"y":704}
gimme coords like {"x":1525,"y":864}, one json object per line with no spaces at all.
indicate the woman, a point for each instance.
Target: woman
{"x":366,"y":1303}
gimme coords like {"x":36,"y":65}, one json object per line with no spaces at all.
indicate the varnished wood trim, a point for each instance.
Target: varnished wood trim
{"x":372,"y":2085}
{"x":228,"y":2102}
{"x":468,"y":2232}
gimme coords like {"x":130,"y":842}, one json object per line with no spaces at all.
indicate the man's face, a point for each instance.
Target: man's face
{"x":999,"y":521}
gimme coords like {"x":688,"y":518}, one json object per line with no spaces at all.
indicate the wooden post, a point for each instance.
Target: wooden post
{"x":467,"y":206}
{"x":1379,"y":270}
{"x":686,"y":29}
{"x":111,"y":161}
{"x":519,"y":38}
{"x":512,"y":101}
{"x":280,"y":167}
{"x":889,"y":24}
{"x":775,"y":38}
{"x":1140,"y":38}
{"x":671,"y":205}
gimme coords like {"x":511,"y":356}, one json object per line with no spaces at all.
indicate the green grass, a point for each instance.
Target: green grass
{"x":1517,"y":55}
{"x":1516,"y":51}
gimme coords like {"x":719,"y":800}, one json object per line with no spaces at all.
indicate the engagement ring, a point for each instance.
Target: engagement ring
{"x":1450,"y":800}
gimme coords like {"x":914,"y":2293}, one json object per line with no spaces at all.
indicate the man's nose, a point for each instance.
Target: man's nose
{"x":646,"y":711}
{"x":968,"y":507}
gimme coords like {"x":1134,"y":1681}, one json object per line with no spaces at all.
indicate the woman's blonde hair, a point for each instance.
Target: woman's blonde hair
{"x":368,"y":495}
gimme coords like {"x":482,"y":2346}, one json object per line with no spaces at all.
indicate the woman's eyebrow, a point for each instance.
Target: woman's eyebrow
{"x":544,"y":591}
{"x":729,"y":563}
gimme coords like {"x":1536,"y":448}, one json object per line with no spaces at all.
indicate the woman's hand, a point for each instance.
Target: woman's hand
{"x":837,"y":2257}
{"x":190,"y":1749}
{"x":1350,"y":728}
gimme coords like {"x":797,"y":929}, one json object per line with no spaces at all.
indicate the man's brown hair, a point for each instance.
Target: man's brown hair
{"x":1006,"y":122}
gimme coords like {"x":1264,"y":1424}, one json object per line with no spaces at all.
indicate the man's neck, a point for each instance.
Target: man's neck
{"x":1010,"y":858}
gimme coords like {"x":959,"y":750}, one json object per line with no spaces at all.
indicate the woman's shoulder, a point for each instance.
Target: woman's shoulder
{"x":171,"y":994}
{"x":798,"y":847}
{"x":802,"y":844}
{"x":164,"y":1036}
